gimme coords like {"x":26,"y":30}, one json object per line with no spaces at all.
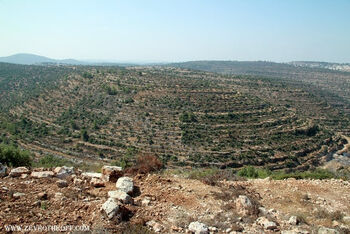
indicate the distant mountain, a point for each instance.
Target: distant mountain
{"x":30,"y":59}
{"x":326,"y":65}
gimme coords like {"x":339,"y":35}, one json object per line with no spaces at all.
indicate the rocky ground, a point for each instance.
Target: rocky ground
{"x":169,"y":203}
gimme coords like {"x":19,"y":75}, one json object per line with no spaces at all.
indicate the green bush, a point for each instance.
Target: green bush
{"x":88,"y":75}
{"x":188,"y":117}
{"x":14,"y":157}
{"x":49,"y":161}
{"x":252,"y":172}
{"x":314,"y":174}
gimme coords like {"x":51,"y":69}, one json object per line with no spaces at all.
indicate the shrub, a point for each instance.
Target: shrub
{"x":252,"y":172}
{"x":49,"y":161}
{"x":123,"y":163}
{"x":88,"y":75}
{"x":145,"y":164}
{"x":188,"y":117}
{"x":84,"y":135}
{"x":111,"y":90}
{"x":319,"y":174}
{"x":14,"y":157}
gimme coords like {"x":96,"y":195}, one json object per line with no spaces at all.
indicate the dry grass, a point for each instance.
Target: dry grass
{"x":145,"y":164}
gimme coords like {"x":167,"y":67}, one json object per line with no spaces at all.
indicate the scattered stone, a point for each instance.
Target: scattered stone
{"x":61,"y":183}
{"x":59,"y":196}
{"x":125,"y":184}
{"x":157,"y":227}
{"x":63,"y":172}
{"x":324,"y":230}
{"x":18,"y":171}
{"x":262,"y":210}
{"x":121,"y":196}
{"x":90,"y":175}
{"x":97,"y":183}
{"x":42,"y":174}
{"x":198,"y":228}
{"x":18,"y":195}
{"x":77,"y":181}
{"x":267,"y":224}
{"x":293,"y":220}
{"x":111,"y":209}
{"x":24,"y":176}
{"x":346,"y":219}
{"x":295,"y":231}
{"x":42,"y":196}
{"x":146,"y":201}
{"x":37,"y":203}
{"x":111,"y":173}
{"x":335,"y":223}
{"x":244,"y":206}
{"x":3,"y":170}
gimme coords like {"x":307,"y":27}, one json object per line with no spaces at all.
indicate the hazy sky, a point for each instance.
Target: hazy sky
{"x":177,"y":30}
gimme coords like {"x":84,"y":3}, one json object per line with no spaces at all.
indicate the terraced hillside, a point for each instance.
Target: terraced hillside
{"x":332,"y":87}
{"x":185,"y":117}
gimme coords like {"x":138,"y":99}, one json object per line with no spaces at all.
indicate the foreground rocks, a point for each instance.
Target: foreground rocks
{"x":172,"y":204}
{"x":198,"y":228}
{"x":120,"y":196}
{"x":125,"y":184}
{"x":17,"y":172}
{"x":111,"y":209}
{"x":111,"y":173}
{"x":63,"y":172}
{"x":42,"y":174}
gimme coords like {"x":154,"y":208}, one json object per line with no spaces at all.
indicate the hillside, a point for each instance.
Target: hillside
{"x":185,"y":117}
{"x":331,"y":86}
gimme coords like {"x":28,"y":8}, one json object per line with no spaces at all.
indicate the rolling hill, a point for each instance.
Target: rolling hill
{"x":185,"y":117}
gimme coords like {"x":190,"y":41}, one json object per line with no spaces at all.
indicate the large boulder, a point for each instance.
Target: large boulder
{"x":63,"y":172}
{"x":111,"y":209}
{"x":198,"y":228}
{"x":18,"y":171}
{"x":244,"y":205}
{"x":125,"y":184}
{"x":111,"y":173}
{"x":121,"y":196}
{"x":42,"y":174}
{"x":3,"y":170}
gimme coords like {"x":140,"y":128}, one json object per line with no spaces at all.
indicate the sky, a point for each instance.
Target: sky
{"x":177,"y":30}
